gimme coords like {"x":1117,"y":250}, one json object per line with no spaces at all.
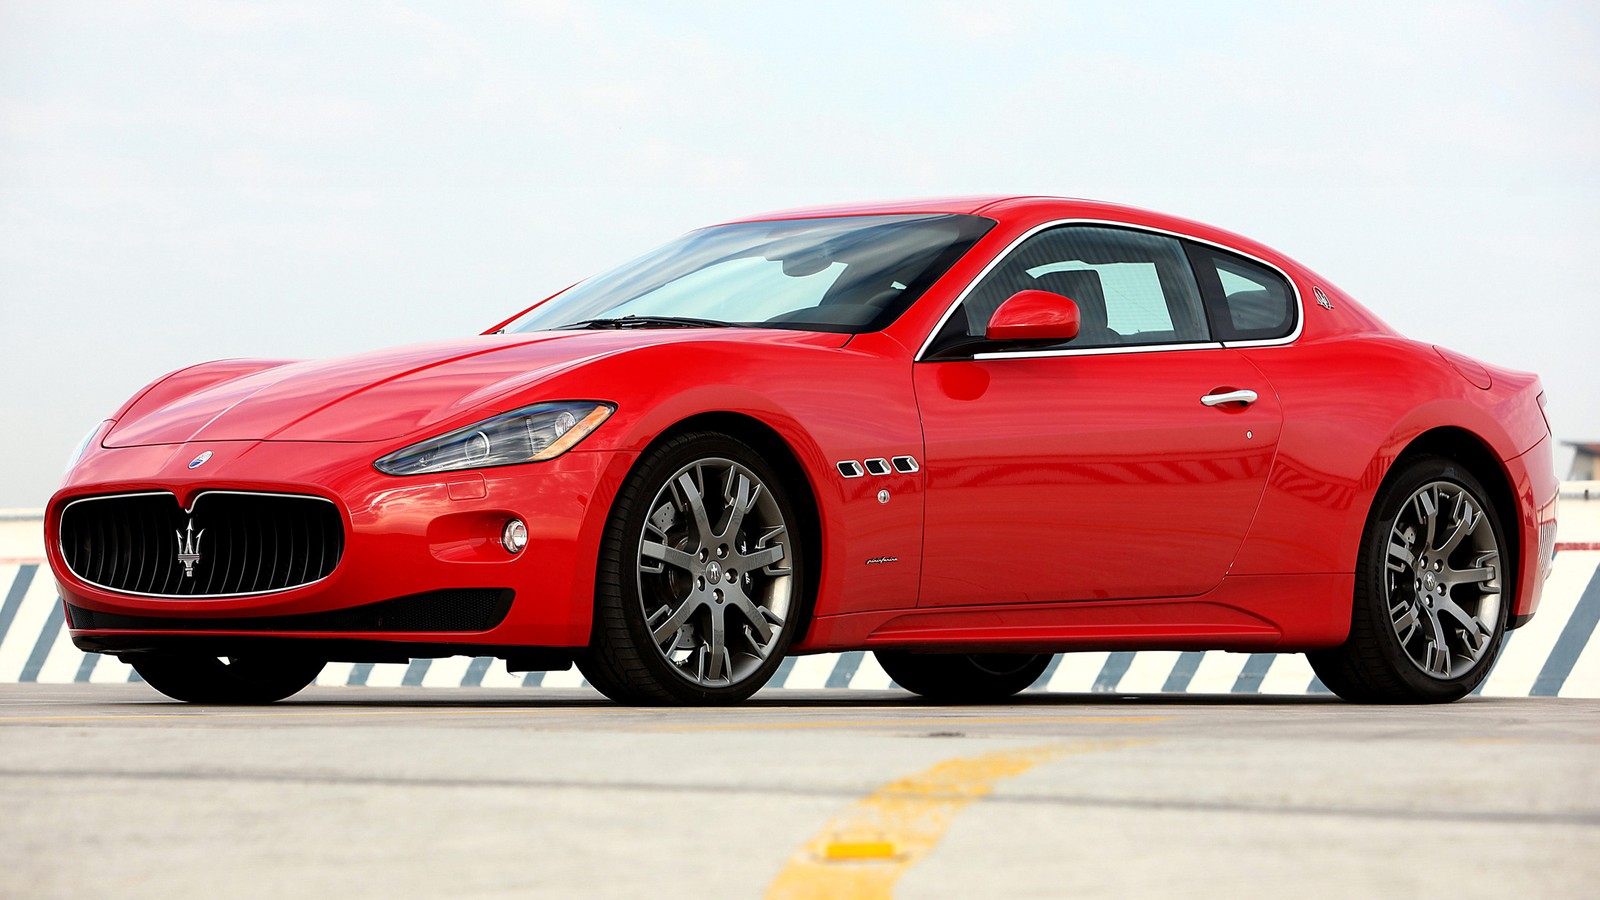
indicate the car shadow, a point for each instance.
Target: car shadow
{"x":577,"y":698}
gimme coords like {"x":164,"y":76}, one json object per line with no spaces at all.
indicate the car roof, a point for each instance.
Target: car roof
{"x":927,"y":205}
{"x":1035,"y":207}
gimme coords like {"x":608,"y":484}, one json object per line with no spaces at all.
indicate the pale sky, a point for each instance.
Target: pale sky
{"x":182,"y":181}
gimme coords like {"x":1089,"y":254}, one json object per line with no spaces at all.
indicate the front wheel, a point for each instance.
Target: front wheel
{"x":1429,"y":609}
{"x":963,"y":677}
{"x":699,"y":583}
{"x":248,"y":681}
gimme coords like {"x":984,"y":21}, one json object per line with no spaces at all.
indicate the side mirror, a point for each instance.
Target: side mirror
{"x":1034,"y":316}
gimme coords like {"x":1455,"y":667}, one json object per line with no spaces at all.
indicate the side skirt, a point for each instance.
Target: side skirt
{"x":1280,"y":613}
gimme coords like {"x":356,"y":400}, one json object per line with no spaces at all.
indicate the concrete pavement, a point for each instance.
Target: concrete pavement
{"x":367,"y":792}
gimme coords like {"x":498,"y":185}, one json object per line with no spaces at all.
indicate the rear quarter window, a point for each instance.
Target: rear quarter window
{"x":1245,"y":300}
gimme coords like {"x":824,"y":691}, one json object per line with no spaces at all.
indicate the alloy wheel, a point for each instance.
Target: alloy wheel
{"x":1442,"y":580}
{"x":713,"y":572}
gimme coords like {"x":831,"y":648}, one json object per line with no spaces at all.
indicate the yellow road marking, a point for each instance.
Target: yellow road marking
{"x":864,"y":850}
{"x":878,"y":723}
{"x":840,"y":850}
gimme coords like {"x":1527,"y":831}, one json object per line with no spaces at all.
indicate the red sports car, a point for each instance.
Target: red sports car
{"x":965,"y":434}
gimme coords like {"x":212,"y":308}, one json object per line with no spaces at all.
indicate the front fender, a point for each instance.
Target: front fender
{"x":827,"y":405}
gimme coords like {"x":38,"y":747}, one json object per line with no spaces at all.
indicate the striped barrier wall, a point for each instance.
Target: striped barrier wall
{"x":1554,"y":655}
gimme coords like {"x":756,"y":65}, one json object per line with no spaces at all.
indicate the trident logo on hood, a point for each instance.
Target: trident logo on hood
{"x":189,"y":548}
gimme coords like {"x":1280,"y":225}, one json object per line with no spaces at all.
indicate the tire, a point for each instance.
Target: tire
{"x":241,"y":681}
{"x":963,"y":677}
{"x":695,"y":603}
{"x":1430,"y":605}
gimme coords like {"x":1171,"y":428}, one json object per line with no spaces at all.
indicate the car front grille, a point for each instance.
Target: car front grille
{"x":228,"y":544}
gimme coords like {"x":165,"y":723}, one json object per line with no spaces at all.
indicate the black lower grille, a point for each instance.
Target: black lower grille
{"x":461,"y":609}
{"x":228,"y":544}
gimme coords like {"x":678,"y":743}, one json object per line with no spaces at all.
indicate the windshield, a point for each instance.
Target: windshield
{"x":849,"y":274}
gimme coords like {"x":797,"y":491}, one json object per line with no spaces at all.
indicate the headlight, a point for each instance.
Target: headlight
{"x":533,"y":433}
{"x":83,"y":445}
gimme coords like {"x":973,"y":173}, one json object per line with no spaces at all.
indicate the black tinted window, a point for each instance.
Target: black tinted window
{"x":1247,"y":301}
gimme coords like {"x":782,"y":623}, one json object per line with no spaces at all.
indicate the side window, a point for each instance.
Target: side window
{"x":1131,"y":288}
{"x":1246,"y":300}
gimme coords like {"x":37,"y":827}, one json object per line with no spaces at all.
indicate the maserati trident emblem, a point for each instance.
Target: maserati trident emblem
{"x":200,"y":460}
{"x":189,"y":547}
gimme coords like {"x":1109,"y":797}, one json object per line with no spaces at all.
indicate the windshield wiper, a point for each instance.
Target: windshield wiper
{"x":649,"y":322}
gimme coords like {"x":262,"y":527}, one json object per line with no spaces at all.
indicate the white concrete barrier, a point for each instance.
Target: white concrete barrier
{"x":1555,"y":655}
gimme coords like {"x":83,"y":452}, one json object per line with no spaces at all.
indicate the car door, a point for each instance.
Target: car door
{"x":1125,"y":463}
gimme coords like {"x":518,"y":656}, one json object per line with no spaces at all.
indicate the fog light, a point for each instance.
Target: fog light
{"x":514,"y":536}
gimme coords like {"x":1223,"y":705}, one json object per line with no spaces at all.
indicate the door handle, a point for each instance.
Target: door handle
{"x":1245,"y":397}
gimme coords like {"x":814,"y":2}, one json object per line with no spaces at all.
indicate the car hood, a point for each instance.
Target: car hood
{"x":392,"y":393}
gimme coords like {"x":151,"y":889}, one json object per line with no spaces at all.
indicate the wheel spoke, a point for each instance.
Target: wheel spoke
{"x":739,"y":500}
{"x":697,"y":507}
{"x":669,"y":628}
{"x":1436,"y":652}
{"x":757,"y":616}
{"x":762,"y":557}
{"x":1427,"y":503}
{"x":1466,"y":522}
{"x":1405,"y":620}
{"x":1477,"y":634}
{"x":1479,"y":576}
{"x":715,"y":649}
{"x":1400,"y":557}
{"x":669,"y":555}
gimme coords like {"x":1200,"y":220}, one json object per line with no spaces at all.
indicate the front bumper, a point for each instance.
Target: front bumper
{"x":404,"y":537}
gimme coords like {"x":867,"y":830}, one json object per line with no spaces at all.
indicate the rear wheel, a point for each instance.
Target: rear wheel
{"x":698,"y":590}
{"x":1429,"y":610}
{"x":963,"y":677}
{"x":250,"y":680}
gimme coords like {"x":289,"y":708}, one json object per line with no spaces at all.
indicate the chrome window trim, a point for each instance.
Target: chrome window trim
{"x":61,"y":549}
{"x":1300,"y":312}
{"x":1098,"y":351}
